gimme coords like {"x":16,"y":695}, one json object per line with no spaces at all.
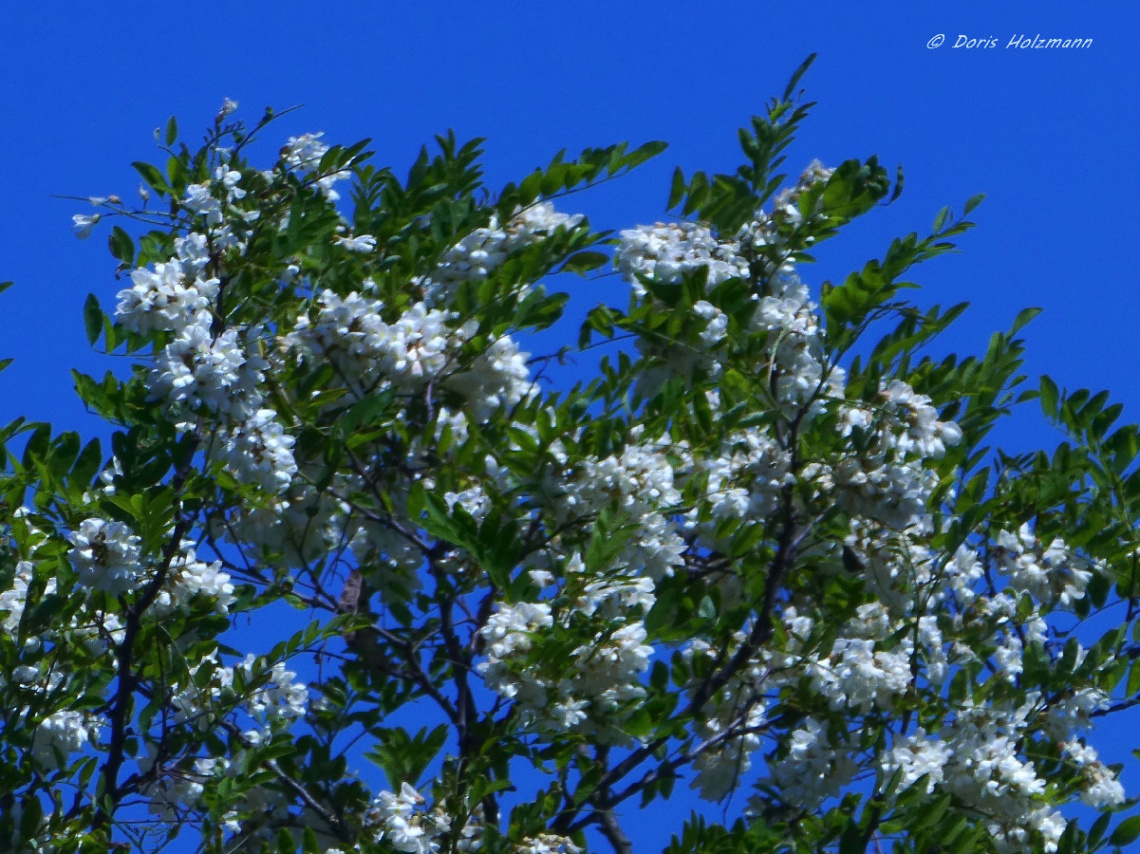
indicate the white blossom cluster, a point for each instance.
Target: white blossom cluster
{"x":1100,"y":788}
{"x":795,"y":362}
{"x":13,"y":600}
{"x":547,"y":843}
{"x":770,"y":237}
{"x":281,"y":700}
{"x":207,"y":365}
{"x":190,"y":578}
{"x":816,"y":766}
{"x":666,"y":252}
{"x":60,"y":735}
{"x":483,"y":250}
{"x":400,"y":820}
{"x":510,"y":634}
{"x":420,"y":347}
{"x":171,"y":794}
{"x":978,"y":754}
{"x":918,"y":757}
{"x":258,"y":450}
{"x":201,"y":370}
{"x":595,"y":681}
{"x":639,"y":483}
{"x":106,"y":555}
{"x":1052,"y":574}
{"x":174,"y":294}
{"x":349,"y":332}
{"x":274,"y":704}
{"x":897,"y":564}
{"x":303,"y":154}
{"x":889,"y":649}
{"x":744,"y":481}
{"x":496,"y":380}
{"x":858,"y":676}
{"x":586,"y":691}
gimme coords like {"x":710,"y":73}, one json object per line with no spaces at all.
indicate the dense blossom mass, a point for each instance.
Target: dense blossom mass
{"x":743,"y":557}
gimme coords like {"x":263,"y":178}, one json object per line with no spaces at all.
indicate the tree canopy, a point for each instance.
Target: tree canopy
{"x":763,"y":551}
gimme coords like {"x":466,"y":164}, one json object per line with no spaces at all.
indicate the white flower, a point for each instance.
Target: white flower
{"x":260,"y":451}
{"x":917,"y":756}
{"x":60,"y":735}
{"x":12,"y":601}
{"x":84,"y":224}
{"x":106,"y":555}
{"x":717,"y":326}
{"x":199,"y":200}
{"x":547,"y":843}
{"x":813,"y":770}
{"x":668,"y":251}
{"x":362,"y":243}
{"x":303,"y":153}
{"x":165,"y":299}
{"x":404,"y":825}
{"x":229,"y":180}
{"x":484,"y":249}
{"x":197,"y":368}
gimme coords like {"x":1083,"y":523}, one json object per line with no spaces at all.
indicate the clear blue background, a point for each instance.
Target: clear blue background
{"x":1050,"y":136}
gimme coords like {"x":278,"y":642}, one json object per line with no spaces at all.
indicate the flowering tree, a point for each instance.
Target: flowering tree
{"x":764,"y":552}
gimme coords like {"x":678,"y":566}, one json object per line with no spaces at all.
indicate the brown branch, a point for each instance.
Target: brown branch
{"x":613,"y":832}
{"x":354,"y":600}
{"x":128,"y":681}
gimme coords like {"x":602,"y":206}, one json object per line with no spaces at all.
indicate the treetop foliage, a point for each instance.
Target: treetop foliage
{"x":764,"y":553}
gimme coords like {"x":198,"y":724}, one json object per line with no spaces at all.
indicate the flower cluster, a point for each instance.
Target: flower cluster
{"x":481,"y":251}
{"x":60,"y":735}
{"x":666,"y":252}
{"x":401,"y":821}
{"x":106,"y":555}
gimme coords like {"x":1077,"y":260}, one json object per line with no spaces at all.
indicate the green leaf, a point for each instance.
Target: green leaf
{"x":92,"y":318}
{"x":584,"y":262}
{"x":790,"y":89}
{"x":285,"y":844}
{"x":1096,"y":832}
{"x":121,"y":246}
{"x":1050,"y":397}
{"x":611,"y":535}
{"x":171,"y":131}
{"x":1023,"y":317}
{"x":677,"y":190}
{"x":153,"y":177}
{"x":972,"y":203}
{"x":643,"y":153}
{"x":1127,"y":832}
{"x":941,"y":220}
{"x":30,"y":820}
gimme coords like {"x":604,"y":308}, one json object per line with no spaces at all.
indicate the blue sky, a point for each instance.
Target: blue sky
{"x":1050,"y":136}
